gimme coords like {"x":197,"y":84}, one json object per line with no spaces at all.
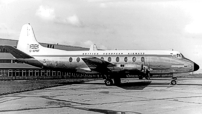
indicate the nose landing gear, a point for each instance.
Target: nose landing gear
{"x":112,"y":79}
{"x":173,"y":81}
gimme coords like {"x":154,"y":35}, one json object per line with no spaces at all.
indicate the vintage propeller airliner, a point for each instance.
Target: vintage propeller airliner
{"x":112,"y":64}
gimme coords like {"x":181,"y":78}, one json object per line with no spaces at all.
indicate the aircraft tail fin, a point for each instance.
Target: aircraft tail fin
{"x":27,"y":42}
{"x":93,"y":47}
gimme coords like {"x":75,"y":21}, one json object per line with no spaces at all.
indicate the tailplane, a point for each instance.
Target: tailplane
{"x":27,"y":42}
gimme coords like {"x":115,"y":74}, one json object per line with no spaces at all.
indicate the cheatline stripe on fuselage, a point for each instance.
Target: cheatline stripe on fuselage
{"x":98,"y":55}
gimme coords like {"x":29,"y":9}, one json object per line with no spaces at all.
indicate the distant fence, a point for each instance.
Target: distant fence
{"x":19,"y":74}
{"x":30,"y":74}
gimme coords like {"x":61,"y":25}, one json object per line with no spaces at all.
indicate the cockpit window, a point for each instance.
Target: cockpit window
{"x":179,"y":55}
{"x":182,"y":55}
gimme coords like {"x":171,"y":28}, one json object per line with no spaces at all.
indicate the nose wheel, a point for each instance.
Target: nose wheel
{"x":173,"y":82}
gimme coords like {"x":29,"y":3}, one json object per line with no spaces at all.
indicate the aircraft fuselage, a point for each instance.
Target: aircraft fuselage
{"x":156,"y":61}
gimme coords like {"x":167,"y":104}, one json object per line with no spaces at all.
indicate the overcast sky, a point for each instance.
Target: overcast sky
{"x":111,"y":24}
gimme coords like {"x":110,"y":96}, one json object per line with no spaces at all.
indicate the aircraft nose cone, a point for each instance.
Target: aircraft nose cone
{"x":196,"y":67}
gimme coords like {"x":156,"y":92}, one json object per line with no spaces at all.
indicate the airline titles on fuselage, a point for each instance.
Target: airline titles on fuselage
{"x":113,"y":54}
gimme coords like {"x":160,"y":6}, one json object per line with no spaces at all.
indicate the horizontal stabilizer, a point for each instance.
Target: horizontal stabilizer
{"x":15,"y":52}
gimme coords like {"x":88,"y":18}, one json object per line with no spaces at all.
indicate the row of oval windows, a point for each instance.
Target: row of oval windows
{"x":109,"y":59}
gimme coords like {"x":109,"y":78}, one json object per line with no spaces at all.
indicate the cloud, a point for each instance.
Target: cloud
{"x":197,"y":50}
{"x":6,"y":2}
{"x":46,"y":13}
{"x":7,"y":32}
{"x":194,"y":27}
{"x":71,"y":20}
{"x":193,"y":10}
{"x":88,"y":43}
{"x":103,"y":5}
{"x":103,"y":47}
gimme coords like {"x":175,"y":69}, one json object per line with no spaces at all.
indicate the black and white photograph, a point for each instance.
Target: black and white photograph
{"x":100,"y":57}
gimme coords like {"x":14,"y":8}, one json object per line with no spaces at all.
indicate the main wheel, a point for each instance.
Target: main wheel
{"x":108,"y":82}
{"x":147,"y":75}
{"x":173,"y":82}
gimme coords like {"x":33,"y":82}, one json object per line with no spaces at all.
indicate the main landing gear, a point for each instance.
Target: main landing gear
{"x":116,"y":80}
{"x":173,"y":81}
{"x":145,"y":75}
{"x":108,"y":82}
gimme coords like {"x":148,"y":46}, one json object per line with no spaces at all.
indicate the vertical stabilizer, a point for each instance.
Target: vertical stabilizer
{"x":93,"y":47}
{"x":27,"y":41}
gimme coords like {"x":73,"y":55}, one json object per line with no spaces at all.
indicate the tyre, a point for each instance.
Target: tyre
{"x":108,"y":82}
{"x":173,"y":82}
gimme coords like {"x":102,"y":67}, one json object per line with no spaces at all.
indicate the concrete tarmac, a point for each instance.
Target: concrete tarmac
{"x":156,"y":96}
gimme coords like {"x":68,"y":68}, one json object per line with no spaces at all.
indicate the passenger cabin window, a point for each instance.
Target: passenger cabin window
{"x":70,"y":59}
{"x":134,"y":59}
{"x":78,"y":59}
{"x":142,"y":59}
{"x":117,"y":59}
{"x":125,"y":59}
{"x":109,"y":59}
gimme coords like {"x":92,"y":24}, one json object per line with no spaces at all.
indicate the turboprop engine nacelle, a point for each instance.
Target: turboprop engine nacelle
{"x":129,"y":66}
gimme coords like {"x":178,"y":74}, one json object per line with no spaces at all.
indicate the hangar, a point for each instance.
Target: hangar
{"x":10,"y":68}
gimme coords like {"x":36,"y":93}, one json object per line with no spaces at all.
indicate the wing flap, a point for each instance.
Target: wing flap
{"x":97,"y":64}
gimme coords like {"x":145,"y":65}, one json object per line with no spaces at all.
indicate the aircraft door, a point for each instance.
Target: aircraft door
{"x":144,"y":62}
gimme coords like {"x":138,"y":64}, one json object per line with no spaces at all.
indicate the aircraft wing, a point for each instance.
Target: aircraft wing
{"x":99,"y":65}
{"x":16,"y":53}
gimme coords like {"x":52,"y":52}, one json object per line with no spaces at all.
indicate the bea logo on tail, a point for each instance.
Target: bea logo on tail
{"x":34,"y":48}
